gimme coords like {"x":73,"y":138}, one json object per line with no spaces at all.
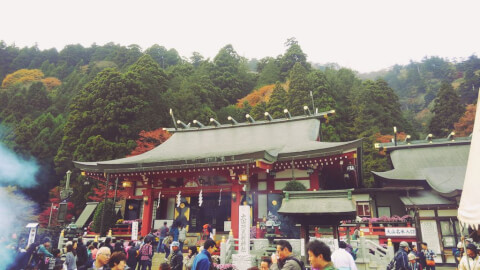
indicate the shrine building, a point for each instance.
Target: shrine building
{"x":202,"y":174}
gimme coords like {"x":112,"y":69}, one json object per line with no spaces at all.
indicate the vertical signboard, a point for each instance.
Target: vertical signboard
{"x":244,"y":229}
{"x":135,"y":230}
{"x":430,"y":235}
{"x":33,"y":233}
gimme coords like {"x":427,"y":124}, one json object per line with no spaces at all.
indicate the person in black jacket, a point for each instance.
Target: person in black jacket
{"x":82,"y":255}
{"x":132,"y":253}
{"x":176,"y":258}
{"x":401,"y":257}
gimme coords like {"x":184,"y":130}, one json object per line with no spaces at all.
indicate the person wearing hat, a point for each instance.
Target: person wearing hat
{"x":401,"y":257}
{"x":176,"y":258}
{"x":412,"y":261}
{"x":471,"y":261}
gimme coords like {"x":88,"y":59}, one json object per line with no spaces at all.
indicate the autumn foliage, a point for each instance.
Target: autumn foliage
{"x":51,"y":82}
{"x":146,"y":142}
{"x":388,"y":138}
{"x":22,"y":76}
{"x":149,"y":140}
{"x":99,"y":192}
{"x":257,"y":96}
{"x":28,"y":76}
{"x":464,"y":126}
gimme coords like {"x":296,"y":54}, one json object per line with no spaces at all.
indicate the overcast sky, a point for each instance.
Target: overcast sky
{"x":362,"y":35}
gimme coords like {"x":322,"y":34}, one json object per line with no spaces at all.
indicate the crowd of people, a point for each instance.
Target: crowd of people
{"x":137,"y":255}
{"x":407,"y":258}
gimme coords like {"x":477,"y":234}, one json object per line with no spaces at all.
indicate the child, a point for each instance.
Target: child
{"x":412,"y":262}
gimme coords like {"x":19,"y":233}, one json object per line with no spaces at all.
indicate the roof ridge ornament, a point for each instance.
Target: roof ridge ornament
{"x":268,"y":116}
{"x":307,"y":110}
{"x":198,"y":123}
{"x":217,"y":124}
{"x":173,"y":118}
{"x":250,"y":118}
{"x":180,"y":122}
{"x":234,"y":122}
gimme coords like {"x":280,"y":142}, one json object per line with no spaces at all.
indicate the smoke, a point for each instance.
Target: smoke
{"x":16,"y":210}
{"x":15,"y":170}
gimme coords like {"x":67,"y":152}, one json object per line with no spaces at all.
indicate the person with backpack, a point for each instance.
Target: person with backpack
{"x":400,"y":260}
{"x":284,"y":258}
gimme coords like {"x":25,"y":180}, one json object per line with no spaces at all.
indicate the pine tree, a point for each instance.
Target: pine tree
{"x":447,"y":110}
{"x":277,"y":102}
{"x":299,"y":92}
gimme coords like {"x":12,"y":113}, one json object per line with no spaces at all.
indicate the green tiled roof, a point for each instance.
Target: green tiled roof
{"x":442,"y":166}
{"x":318,"y":202}
{"x":232,"y":144}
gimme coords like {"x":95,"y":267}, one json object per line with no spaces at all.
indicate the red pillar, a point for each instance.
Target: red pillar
{"x":236,"y":193}
{"x":147,"y":211}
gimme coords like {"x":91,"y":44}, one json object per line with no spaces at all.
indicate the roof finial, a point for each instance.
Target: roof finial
{"x":234,"y":122}
{"x":173,"y":118}
{"x":307,"y":110}
{"x":429,"y":138}
{"x":215,"y":122}
{"x":198,"y":123}
{"x":268,"y":116}
{"x":183,"y":124}
{"x":451,"y":136}
{"x":250,"y":118}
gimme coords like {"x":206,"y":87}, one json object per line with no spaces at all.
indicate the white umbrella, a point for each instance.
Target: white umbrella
{"x":469,"y":209}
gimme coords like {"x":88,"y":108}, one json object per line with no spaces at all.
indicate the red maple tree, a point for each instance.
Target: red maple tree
{"x":99,"y":192}
{"x":464,"y":126}
{"x":149,"y":139}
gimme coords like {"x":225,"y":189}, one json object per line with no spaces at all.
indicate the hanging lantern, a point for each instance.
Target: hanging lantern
{"x":200,"y":198}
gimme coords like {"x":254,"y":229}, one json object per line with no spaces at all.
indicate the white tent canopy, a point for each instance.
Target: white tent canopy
{"x":469,"y":209}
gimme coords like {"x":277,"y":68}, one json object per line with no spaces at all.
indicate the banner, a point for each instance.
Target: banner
{"x":400,"y":231}
{"x":135,"y":230}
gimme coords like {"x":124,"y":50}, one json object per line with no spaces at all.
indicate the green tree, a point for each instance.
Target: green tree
{"x":109,"y":218}
{"x":277,"y":102}
{"x":269,"y":72}
{"x":447,"y":110}
{"x":299,"y":92}
{"x":108,"y":106}
{"x":230,"y":74}
{"x":293,"y":55}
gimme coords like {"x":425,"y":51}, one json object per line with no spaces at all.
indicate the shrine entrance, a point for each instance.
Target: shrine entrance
{"x":211,"y":212}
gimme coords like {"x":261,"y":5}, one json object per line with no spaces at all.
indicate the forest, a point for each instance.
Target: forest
{"x":111,"y":101}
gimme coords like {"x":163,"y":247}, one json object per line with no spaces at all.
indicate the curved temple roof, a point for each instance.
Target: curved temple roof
{"x":231,"y":144}
{"x":442,"y":166}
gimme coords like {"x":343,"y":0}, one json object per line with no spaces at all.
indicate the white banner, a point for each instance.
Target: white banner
{"x":244,"y":229}
{"x":135,"y":230}
{"x":400,"y":231}
{"x":31,"y":236}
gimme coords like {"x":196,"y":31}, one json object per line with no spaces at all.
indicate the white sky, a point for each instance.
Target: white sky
{"x":362,"y":35}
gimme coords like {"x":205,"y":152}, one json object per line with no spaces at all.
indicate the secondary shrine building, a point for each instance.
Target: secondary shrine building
{"x":201,"y":175}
